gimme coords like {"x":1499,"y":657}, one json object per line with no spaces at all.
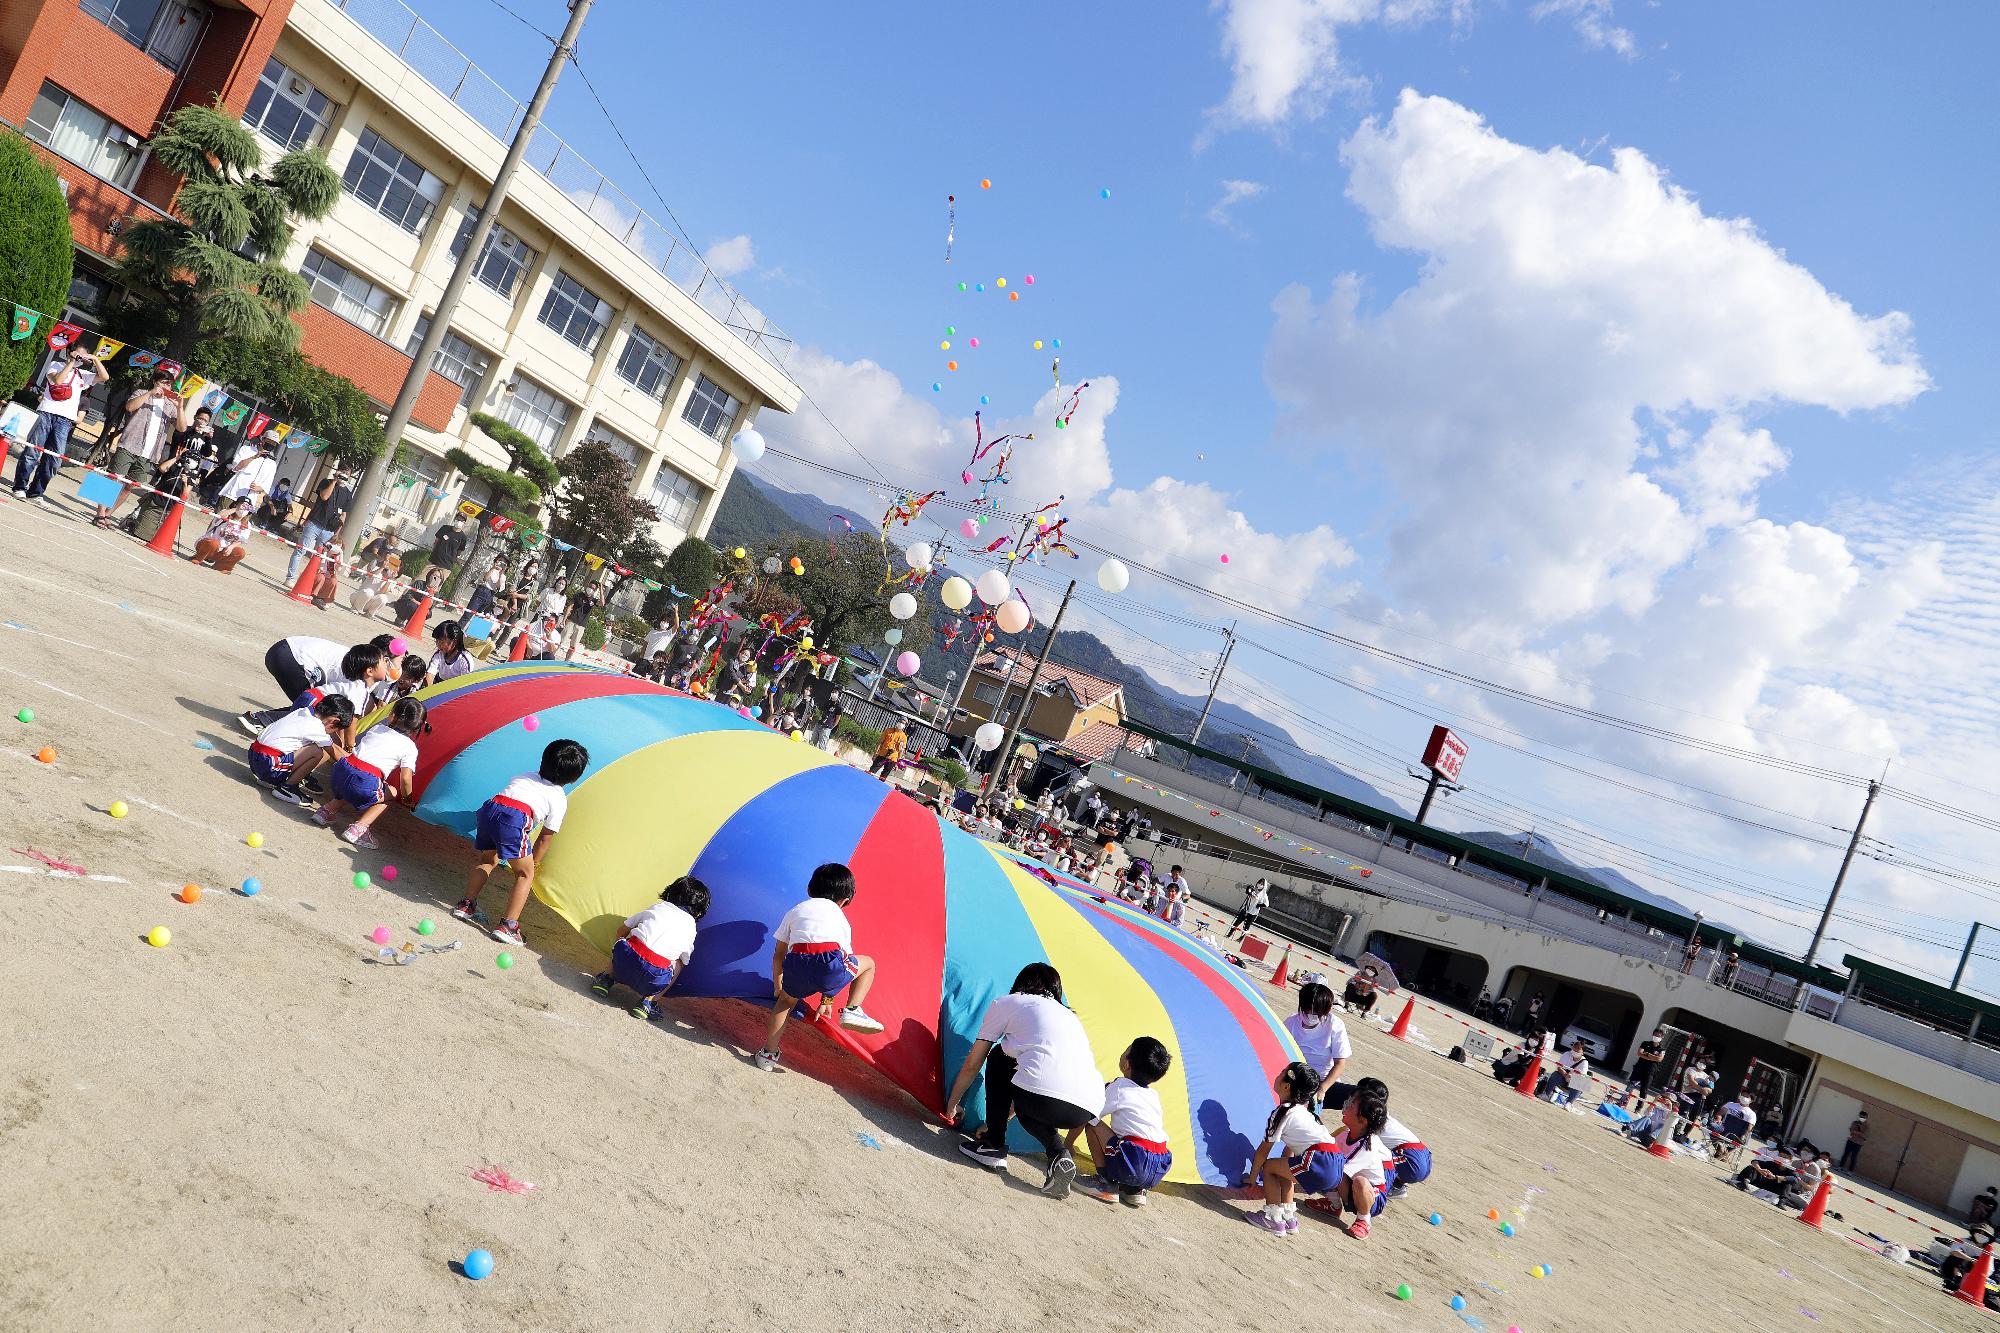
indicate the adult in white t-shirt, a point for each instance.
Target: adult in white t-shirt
{"x":48,"y":441}
{"x":1039,"y":1070}
{"x":1255,"y":899}
{"x":252,"y":476}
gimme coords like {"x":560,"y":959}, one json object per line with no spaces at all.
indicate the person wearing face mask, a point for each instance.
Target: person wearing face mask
{"x":1321,"y":1035}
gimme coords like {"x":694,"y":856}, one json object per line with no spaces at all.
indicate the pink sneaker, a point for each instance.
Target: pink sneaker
{"x":359,"y":836}
{"x":1264,"y":1222}
{"x":322,"y":818}
{"x":1358,"y":1228}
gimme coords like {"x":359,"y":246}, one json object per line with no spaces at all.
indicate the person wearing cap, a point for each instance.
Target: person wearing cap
{"x":331,"y":500}
{"x":255,"y":469}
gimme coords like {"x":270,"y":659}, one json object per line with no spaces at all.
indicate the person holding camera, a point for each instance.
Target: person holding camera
{"x":55,"y":418}
{"x":153,"y":416}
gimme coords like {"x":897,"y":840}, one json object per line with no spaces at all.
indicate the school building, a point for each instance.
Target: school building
{"x":585,"y":319}
{"x":1457,"y":918}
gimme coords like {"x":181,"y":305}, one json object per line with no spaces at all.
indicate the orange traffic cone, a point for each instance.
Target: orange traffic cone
{"x":170,"y":526}
{"x":1531,"y":1076}
{"x":1973,"y":1290}
{"x":519,"y":652}
{"x":3,"y":453}
{"x":1283,"y":976}
{"x":1401,"y":1032}
{"x":302,"y":591}
{"x":1816,"y":1210}
{"x":414,"y":628}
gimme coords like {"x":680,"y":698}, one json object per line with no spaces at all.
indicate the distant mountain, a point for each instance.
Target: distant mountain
{"x":754,"y":511}
{"x":1539,"y":850}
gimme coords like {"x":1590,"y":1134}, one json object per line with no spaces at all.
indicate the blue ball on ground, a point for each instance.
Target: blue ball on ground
{"x":1437,"y":1219}
{"x":1458,"y":1302}
{"x":252,"y":887}
{"x":478,"y":1265}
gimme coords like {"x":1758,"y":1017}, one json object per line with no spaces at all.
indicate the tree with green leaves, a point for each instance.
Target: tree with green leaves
{"x":691,"y":567}
{"x":36,"y":252}
{"x":293,"y":389}
{"x":513,"y":492}
{"x":219,"y":265}
{"x":594,"y":509}
{"x":843,"y":593}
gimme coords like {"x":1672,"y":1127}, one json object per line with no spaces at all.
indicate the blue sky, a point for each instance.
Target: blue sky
{"x":1750,"y":524}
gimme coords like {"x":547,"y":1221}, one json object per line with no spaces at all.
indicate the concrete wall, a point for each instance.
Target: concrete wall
{"x":1939,"y":1151}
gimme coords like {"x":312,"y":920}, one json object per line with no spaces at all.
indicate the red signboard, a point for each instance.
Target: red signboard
{"x":1445,"y":755}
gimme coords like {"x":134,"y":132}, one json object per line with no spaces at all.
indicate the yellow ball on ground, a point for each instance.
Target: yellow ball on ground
{"x":159,"y":937}
{"x":119,"y":810}
{"x":254,"y":840}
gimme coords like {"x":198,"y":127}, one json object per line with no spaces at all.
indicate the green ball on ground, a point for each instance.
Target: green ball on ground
{"x":25,"y":715}
{"x":427,"y":927}
{"x":504,"y":961}
{"x":361,"y":879}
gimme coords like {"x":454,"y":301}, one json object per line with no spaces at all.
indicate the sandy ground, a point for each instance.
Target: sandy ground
{"x":261,"y":1126}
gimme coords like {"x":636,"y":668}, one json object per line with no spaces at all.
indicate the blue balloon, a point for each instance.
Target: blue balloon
{"x":1437,"y":1219}
{"x":478,"y":1265}
{"x":1104,"y":193}
{"x":252,"y":887}
{"x":1058,"y":342}
{"x":936,"y":387}
{"x":756,"y":710}
{"x":984,"y":400}
{"x":978,"y":286}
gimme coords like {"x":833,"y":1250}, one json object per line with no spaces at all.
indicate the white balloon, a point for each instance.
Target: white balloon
{"x":770,"y":564}
{"x":892,"y":636}
{"x":919,"y":556}
{"x":747,"y":444}
{"x":994,"y":587}
{"x":989,"y":736}
{"x":1012,"y":615}
{"x":1112,"y":576}
{"x":902,"y":606}
{"x":956,"y":593}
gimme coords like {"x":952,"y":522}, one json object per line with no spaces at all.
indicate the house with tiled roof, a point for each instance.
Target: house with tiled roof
{"x":1072,"y":709}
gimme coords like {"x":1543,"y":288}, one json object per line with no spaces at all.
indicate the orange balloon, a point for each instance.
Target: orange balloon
{"x":47,"y":754}
{"x":986,"y":185}
{"x":190,"y":893}
{"x":1013,"y":296}
{"x":951,"y":365}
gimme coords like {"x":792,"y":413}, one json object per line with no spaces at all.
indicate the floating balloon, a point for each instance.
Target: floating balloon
{"x":978,"y":286}
{"x":1012,"y":615}
{"x":1030,"y":280}
{"x":968,"y":528}
{"x":907,"y":663}
{"x":985,"y":184}
{"x":1104,"y":194}
{"x":936,"y":387}
{"x":1056,"y":343}
{"x":399,"y":645}
{"x":892,"y":636}
{"x":961,"y":286}
{"x":1013,"y":296}
{"x":989,"y":736}
{"x":1000,"y":282}
{"x":951,"y":365}
{"x":1038,"y":344}
{"x":1225,"y":557}
{"x":944,"y":345}
{"x":770,"y":564}
{"x":983,"y":401}
{"x":738,"y":553}
{"x":919,"y":556}
{"x":1112,"y":576}
{"x":956,"y":592}
{"x":951,"y":330}
{"x":972,"y":342}
{"x":902,"y":606}
{"x":994,"y":587}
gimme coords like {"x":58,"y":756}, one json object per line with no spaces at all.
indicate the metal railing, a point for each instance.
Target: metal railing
{"x":444,"y":67}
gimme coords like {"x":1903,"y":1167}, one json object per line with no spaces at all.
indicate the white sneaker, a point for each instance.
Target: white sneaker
{"x":249,"y":725}
{"x":855,"y":1020}
{"x":765,"y":1060}
{"x":359,"y":836}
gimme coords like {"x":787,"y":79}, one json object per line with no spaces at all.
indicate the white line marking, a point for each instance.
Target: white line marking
{"x":137,"y":721}
{"x":53,"y":873}
{"x":69,"y":591}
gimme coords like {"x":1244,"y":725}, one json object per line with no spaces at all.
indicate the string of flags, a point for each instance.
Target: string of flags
{"x":1268,"y":835}
{"x":229,"y":412}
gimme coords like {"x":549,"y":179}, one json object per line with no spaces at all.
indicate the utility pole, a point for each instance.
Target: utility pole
{"x":1028,"y":696}
{"x":1434,"y":782}
{"x":369,"y":494}
{"x":1845,"y":861}
{"x":1214,"y":684}
{"x":1966,"y":956}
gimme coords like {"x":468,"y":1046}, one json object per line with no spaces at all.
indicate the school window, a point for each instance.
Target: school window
{"x":457,"y":360}
{"x":675,"y":496}
{"x":647,"y":365}
{"x":68,"y":128}
{"x":502,"y":260}
{"x":536,"y":413}
{"x":710,"y":409}
{"x":627,"y":449}
{"x":287,"y":110}
{"x":409,"y":488}
{"x":346,"y":293}
{"x":574,"y":311}
{"x":383,"y":177}
{"x":166,"y":30}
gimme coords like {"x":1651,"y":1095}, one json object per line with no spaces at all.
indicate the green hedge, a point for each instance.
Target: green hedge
{"x":947,"y":769}
{"x":854,"y":733}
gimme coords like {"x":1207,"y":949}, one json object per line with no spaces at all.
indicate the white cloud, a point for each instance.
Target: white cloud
{"x":1593,"y":21}
{"x":1284,"y":55}
{"x":731,"y":257}
{"x":1234,"y":192}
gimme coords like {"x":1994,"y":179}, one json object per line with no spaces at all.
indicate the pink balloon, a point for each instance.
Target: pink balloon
{"x":973,"y":342}
{"x":389,"y":872}
{"x":1030,"y":280}
{"x":1225,"y":557}
{"x":380,"y":935}
{"x":965,"y":477}
{"x":533,"y":723}
{"x":907,"y":663}
{"x":743,"y":709}
{"x":969,"y":528}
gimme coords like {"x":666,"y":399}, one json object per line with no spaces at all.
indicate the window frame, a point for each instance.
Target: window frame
{"x":421,"y":194}
{"x":446,"y":353}
{"x":649,"y":360}
{"x":519,"y":253}
{"x":308,"y":270}
{"x":722,"y":416}
{"x":566,"y":322}
{"x":127,"y":167}
{"x":538,"y":415}
{"x":271,"y":88}
{"x":683,"y":502}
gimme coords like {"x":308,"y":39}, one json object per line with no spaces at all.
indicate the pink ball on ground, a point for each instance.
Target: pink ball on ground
{"x":380,"y":935}
{"x":533,"y":723}
{"x":399,"y":645}
{"x":389,"y":872}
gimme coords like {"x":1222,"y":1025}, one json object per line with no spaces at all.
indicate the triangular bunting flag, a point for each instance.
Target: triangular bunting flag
{"x":257,"y":424}
{"x":108,"y":348}
{"x":298,"y":439}
{"x":233,"y":414}
{"x":469,"y":509}
{"x":213,"y":400}
{"x":62,"y":333}
{"x":621,"y":571}
{"x":144,"y":360}
{"x":561,"y":545}
{"x":281,"y":431}
{"x":499,"y":524}
{"x":533,"y":539}
{"x":596,"y":562}
{"x":24,"y":322}
{"x":172,"y":367}
{"x":318,"y":446}
{"x":190,"y":384}
{"x":652,"y":585}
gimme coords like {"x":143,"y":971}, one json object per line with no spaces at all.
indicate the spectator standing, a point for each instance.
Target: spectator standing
{"x":1689,"y":956}
{"x":1985,"y":1206}
{"x":447,"y":546}
{"x":583,"y":604}
{"x":331,"y":500}
{"x":1532,"y":1015}
{"x":1255,"y":899}
{"x":1857,"y":1138}
{"x":251,"y":477}
{"x":55,"y":417}
{"x":1729,"y":966}
{"x":1646,"y":1068}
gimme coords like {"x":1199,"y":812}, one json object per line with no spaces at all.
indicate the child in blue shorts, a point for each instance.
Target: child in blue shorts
{"x":653,"y":945}
{"x":515,"y":827}
{"x":813,"y":954}
{"x":1128,"y":1141}
{"x":383,"y":765}
{"x":291,"y":747}
{"x":1306,"y":1159}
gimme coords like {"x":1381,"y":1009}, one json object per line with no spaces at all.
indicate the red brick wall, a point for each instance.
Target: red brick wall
{"x":94,"y":206}
{"x":378,"y":367}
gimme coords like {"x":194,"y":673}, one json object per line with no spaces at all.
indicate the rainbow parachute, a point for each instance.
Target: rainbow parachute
{"x":678,"y":785}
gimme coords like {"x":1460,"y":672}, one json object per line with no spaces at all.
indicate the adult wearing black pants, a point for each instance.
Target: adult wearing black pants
{"x":1039,"y":1070}
{"x":1652,"y":1052}
{"x":1255,"y":899}
{"x":298,"y":664}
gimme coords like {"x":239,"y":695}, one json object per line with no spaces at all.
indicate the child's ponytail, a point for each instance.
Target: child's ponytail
{"x":410,"y":717}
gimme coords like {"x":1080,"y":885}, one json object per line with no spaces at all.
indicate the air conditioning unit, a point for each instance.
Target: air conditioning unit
{"x":298,"y":86}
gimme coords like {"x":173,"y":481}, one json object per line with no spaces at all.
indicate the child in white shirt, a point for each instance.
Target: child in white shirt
{"x":1297,"y":1154}
{"x":293,"y":746}
{"x":655,"y":944}
{"x":383,"y":764}
{"x":1409,"y":1158}
{"x":514,"y":828}
{"x":812,"y":953}
{"x":1363,"y":1187}
{"x":1128,"y":1140}
{"x":1321,"y":1035}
